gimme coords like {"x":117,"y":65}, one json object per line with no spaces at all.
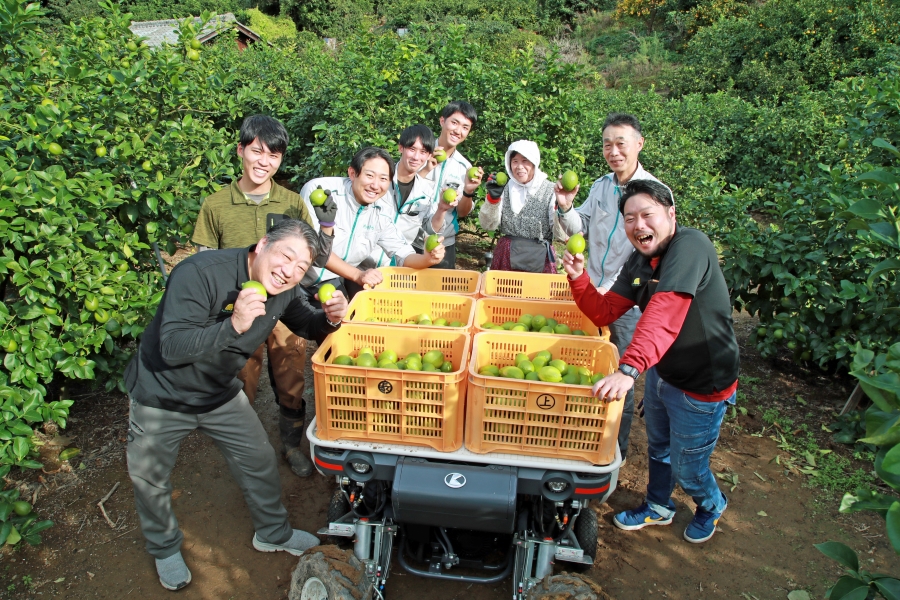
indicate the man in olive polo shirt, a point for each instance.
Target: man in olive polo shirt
{"x":238,"y":216}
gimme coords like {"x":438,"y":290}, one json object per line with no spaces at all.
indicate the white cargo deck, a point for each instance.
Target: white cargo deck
{"x":463,"y":455}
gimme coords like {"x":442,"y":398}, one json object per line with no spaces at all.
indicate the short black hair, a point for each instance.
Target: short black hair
{"x":422,"y":133}
{"x":269,"y":131}
{"x":660,"y":193}
{"x":367,"y":154}
{"x":616,"y":118}
{"x":460,"y":106}
{"x":295,"y":228}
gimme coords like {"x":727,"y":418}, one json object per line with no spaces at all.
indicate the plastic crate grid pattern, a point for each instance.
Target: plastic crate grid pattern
{"x":510,"y":421}
{"x":420,"y":407}
{"x":527,"y":286}
{"x":386,"y":306}
{"x":448,"y":281}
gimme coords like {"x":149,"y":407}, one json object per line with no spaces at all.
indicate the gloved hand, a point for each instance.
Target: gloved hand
{"x":494,"y":189}
{"x":327,"y":211}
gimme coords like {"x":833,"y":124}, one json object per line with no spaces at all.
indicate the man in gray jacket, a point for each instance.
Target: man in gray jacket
{"x":599,"y":220}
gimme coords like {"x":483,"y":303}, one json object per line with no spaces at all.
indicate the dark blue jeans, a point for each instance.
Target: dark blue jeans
{"x":620,"y":333}
{"x":681,"y":435}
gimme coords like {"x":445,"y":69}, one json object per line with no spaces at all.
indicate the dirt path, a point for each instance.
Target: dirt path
{"x":764,"y":547}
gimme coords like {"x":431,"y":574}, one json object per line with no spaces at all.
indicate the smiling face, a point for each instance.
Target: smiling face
{"x":372,"y":182}
{"x":279,"y":265}
{"x":260,"y":165}
{"x":648,"y":224}
{"x":454,"y":130}
{"x":522,"y":168}
{"x":621,"y":146}
{"x":412,"y":158}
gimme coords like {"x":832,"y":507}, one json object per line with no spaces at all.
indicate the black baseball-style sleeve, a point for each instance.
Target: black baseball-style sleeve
{"x":184,"y":333}
{"x":304,"y":320}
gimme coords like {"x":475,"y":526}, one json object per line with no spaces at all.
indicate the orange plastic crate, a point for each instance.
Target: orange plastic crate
{"x":403,"y":305}
{"x":536,"y":418}
{"x":446,"y":281}
{"x":526,"y":286}
{"x":388,"y":405}
{"x":500,"y":310}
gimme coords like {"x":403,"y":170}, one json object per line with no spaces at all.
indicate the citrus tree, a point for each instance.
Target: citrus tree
{"x":106,"y":147}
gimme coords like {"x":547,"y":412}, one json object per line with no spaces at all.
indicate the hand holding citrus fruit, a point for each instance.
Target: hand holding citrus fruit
{"x":326,"y":292}
{"x":318,"y":197}
{"x":256,"y":286}
{"x":576,"y":244}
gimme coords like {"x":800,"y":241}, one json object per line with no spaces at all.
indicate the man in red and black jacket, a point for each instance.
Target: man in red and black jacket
{"x":685,"y":343}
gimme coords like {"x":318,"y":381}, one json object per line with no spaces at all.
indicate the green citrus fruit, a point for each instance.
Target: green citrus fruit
{"x":147,"y":165}
{"x":502,"y":178}
{"x":512,"y":373}
{"x":596,"y":377}
{"x":538,"y":321}
{"x":562,"y":329}
{"x":365,"y":350}
{"x":193,"y":55}
{"x":545,"y":329}
{"x":761,"y":332}
{"x":447,"y":367}
{"x":21,"y":508}
{"x":131,"y":46}
{"x":778,"y":334}
{"x":559,"y":365}
{"x":550,"y":374}
{"x":54,"y":149}
{"x":539,"y":362}
{"x":343,"y":359}
{"x":489,"y":370}
{"x":91,"y":303}
{"x":388,"y":355}
{"x":11,"y":346}
{"x":431,"y":242}
{"x":99,"y":35}
{"x":100,"y":151}
{"x":195,"y":44}
{"x":255,"y":285}
{"x":326,"y":292}
{"x":449,"y":195}
{"x":532,"y":376}
{"x":434,"y":357}
{"x":526,"y":365}
{"x":414,"y":364}
{"x":572,"y":377}
{"x":101,"y":316}
{"x":440,"y":156}
{"x":318,"y":197}
{"x":473,"y":173}
{"x":569,"y":181}
{"x":13,"y":538}
{"x":576,"y":244}
{"x":366,"y":360}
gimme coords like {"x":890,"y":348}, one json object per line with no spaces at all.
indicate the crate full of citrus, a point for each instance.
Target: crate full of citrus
{"x":532,"y":395}
{"x":420,"y":310}
{"x":405,"y":386}
{"x":531,"y":316}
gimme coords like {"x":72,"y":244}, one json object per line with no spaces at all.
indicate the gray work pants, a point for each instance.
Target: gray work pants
{"x":154,"y":437}
{"x":620,"y":333}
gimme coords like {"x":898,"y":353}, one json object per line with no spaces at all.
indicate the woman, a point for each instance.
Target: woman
{"x":524,"y":212}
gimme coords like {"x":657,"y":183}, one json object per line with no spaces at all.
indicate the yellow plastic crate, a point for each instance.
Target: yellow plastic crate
{"x":536,"y":418}
{"x":388,"y":405}
{"x":500,"y":310}
{"x":526,"y":286}
{"x":446,"y":281}
{"x":403,"y":305}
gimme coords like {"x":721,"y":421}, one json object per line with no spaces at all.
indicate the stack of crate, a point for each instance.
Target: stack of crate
{"x":494,"y":414}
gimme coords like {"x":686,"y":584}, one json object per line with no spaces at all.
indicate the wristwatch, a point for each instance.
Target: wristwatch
{"x":630,"y":371}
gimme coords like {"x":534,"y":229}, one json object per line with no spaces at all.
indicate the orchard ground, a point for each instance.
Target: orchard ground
{"x":763,"y":548}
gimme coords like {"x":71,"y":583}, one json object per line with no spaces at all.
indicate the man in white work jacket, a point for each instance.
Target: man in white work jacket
{"x":362,"y":225}
{"x":409,"y":202}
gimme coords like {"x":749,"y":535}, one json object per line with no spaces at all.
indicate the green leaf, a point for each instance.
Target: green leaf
{"x":849,"y":588}
{"x":882,"y":177}
{"x":889,"y":588}
{"x":889,"y":264}
{"x":20,"y":448}
{"x":893,"y":526}
{"x":881,"y":143}
{"x":840,"y":552}
{"x":867,"y":208}
{"x":891,"y":462}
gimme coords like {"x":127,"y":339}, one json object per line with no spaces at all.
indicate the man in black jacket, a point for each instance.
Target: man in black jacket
{"x":184,"y":377}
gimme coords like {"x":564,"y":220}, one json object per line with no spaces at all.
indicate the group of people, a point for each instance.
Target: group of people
{"x":657,"y":285}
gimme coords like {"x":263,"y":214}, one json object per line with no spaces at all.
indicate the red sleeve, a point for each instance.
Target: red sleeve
{"x":601,"y":309}
{"x":657,"y":329}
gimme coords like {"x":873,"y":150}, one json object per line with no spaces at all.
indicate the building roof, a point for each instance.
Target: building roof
{"x":158,"y":33}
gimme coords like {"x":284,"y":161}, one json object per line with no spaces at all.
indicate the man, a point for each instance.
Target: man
{"x":184,"y":377}
{"x":457,"y":120}
{"x":599,"y":220}
{"x":685,"y":343}
{"x":236,"y":217}
{"x":363,"y":225}
{"x":410,"y":197}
